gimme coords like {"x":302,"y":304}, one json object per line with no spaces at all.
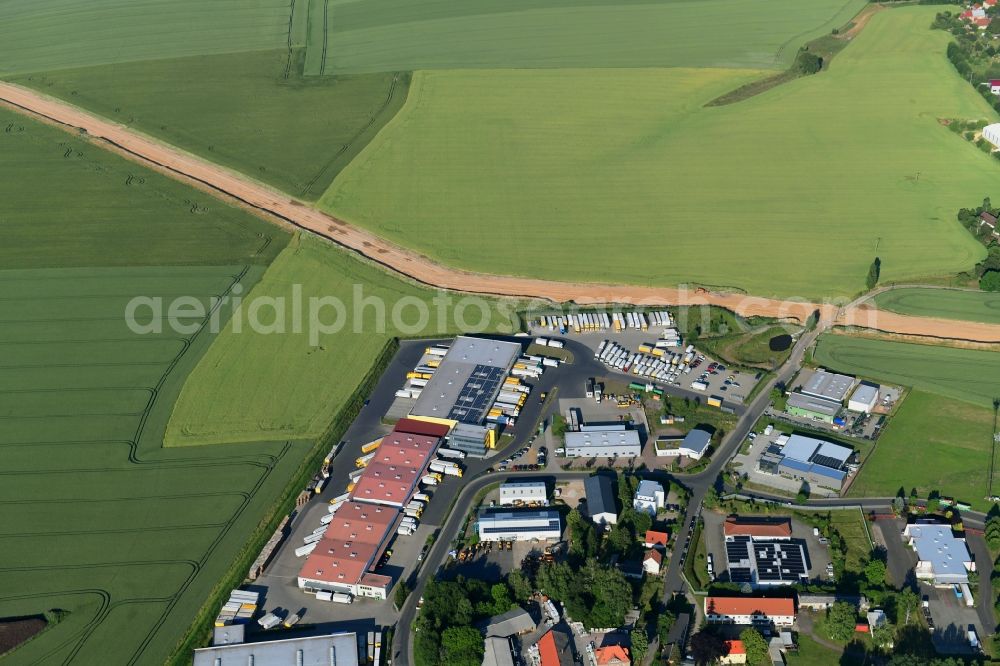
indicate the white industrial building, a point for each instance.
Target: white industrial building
{"x":694,"y":445}
{"x":864,"y":398}
{"x":610,"y":443}
{"x":543,"y":525}
{"x":520,"y":493}
{"x":339,"y":649}
{"x":649,"y":497}
{"x":992,"y":134}
{"x":942,"y":558}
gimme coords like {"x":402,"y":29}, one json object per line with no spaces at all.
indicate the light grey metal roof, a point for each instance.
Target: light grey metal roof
{"x":338,"y":649}
{"x":445,"y":387}
{"x":814,"y":404}
{"x":602,"y":438}
{"x":828,"y":385}
{"x":865,"y":393}
{"x":512,"y":622}
{"x":600,"y":497}
{"x":523,"y":490}
{"x":937,"y":544}
{"x":497,"y":652}
{"x":697,"y":440}
{"x":804,"y":449}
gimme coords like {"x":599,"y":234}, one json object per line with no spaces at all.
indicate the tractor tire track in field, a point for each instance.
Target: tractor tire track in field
{"x":272,"y":204}
{"x":264,"y":463}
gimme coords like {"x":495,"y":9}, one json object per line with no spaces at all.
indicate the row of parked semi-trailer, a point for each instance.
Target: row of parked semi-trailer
{"x":666,"y":366}
{"x":590,"y":322}
{"x":514,"y":393}
{"x":417,"y":378}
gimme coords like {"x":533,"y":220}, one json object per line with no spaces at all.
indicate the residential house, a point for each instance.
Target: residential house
{"x":649,"y":497}
{"x":735,"y":653}
{"x":652,"y":562}
{"x":612,"y":655}
{"x":656,"y":539}
{"x":750,"y":611}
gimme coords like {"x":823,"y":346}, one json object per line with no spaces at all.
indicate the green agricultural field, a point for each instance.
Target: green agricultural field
{"x":629,"y":161}
{"x":947,"y":303}
{"x":37,"y":36}
{"x":963,"y":374}
{"x":386,"y":35}
{"x":99,"y":519}
{"x":933,"y":443}
{"x":231,"y":394}
{"x":247,"y":111}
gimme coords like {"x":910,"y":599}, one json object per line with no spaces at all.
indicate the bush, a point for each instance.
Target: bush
{"x":990,"y":281}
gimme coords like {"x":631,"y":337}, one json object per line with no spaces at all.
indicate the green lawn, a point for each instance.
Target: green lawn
{"x":381,"y":35}
{"x":812,"y":653}
{"x":99,"y":519}
{"x":963,"y":374}
{"x":933,"y":443}
{"x":56,"y":34}
{"x":245,"y":111}
{"x":628,"y":160}
{"x":231,"y":396}
{"x":850,"y":525}
{"x":947,"y":303}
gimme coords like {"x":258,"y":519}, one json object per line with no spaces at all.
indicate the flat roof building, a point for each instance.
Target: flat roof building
{"x":864,"y":398}
{"x":766,"y":562}
{"x":344,"y":559}
{"x":649,"y":497}
{"x":338,"y":649}
{"x":811,"y":407}
{"x":828,"y":385}
{"x":467,"y":381}
{"x":518,"y":493}
{"x":472,"y":439}
{"x":815,"y":461}
{"x":942,"y":558}
{"x":544,"y":525}
{"x":600,"y":500}
{"x":603,"y":444}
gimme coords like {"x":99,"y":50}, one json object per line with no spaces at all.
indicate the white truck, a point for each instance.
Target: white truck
{"x":341,"y":598}
{"x":269,"y":621}
{"x":429,"y":480}
{"x":302,"y":551}
{"x":421,"y":497}
{"x":451,"y":453}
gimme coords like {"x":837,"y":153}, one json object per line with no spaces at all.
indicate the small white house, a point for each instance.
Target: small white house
{"x":652,"y":562}
{"x":649,"y":497}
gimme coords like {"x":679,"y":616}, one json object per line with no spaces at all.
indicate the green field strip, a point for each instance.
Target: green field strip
{"x":389,"y":35}
{"x":70,"y":403}
{"x":965,"y":374}
{"x":79,"y":331}
{"x":41,"y":552}
{"x":80,"y":376}
{"x":82,"y":428}
{"x":162,"y":281}
{"x":86,"y":608}
{"x":963,"y":305}
{"x":134,"y":351}
{"x":63,"y":33}
{"x":139,"y":613}
{"x":568,"y":160}
{"x":298,"y":22}
{"x":316,"y":36}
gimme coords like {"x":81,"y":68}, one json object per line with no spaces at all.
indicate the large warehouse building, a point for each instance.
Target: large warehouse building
{"x":466,"y":382}
{"x":602,"y":442}
{"x":943,"y":559}
{"x":344,"y":559}
{"x":543,"y":525}
{"x":815,"y":461}
{"x":523,"y":493}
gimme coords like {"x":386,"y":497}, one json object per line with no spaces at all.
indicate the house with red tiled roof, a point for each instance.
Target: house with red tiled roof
{"x":750,"y":610}
{"x":758,"y":528}
{"x":612,"y":655}
{"x":656,"y":539}
{"x":552,"y":650}
{"x":735,"y":653}
{"x":981,"y":23}
{"x":652,"y":562}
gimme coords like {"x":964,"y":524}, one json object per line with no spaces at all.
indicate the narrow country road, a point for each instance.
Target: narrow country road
{"x":269,"y":202}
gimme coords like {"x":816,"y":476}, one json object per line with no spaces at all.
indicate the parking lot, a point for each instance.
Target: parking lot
{"x":717,"y":379}
{"x":818,"y":553}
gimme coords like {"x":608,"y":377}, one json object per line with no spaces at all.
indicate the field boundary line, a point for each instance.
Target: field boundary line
{"x":425,"y":271}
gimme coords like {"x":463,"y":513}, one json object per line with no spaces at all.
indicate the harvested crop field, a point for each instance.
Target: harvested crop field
{"x":15,"y":631}
{"x":831,"y":165}
{"x":982,"y":306}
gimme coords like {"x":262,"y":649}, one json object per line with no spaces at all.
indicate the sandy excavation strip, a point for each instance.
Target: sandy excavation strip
{"x":145,"y":149}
